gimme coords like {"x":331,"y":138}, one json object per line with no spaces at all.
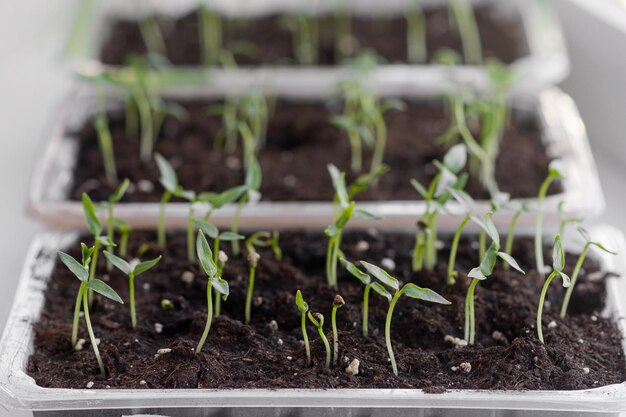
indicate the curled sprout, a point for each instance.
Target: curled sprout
{"x":338,"y":302}
{"x":318,"y":321}
{"x":303,"y":307}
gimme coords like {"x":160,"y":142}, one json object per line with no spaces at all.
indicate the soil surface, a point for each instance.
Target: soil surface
{"x":301,"y":142}
{"x":583,"y":351}
{"x":502,"y":37}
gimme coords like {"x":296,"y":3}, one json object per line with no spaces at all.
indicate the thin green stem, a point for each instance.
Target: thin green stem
{"x":110,"y":233}
{"x":539,"y":222}
{"x":542,"y":299}
{"x":468,"y":31}
{"x":191,"y":228}
{"x":430,"y":261}
{"x":417,"y":51}
{"x":570,"y":290}
{"x":366,"y":302}
{"x":454,"y":249}
{"x":392,"y":305}
{"x":356,"y":161}
{"x":470,"y":316}
{"x":124,"y":234}
{"x":305,"y":337}
{"x":482,"y":244}
{"x":151,"y":34}
{"x":381,"y":141}
{"x":333,"y":322}
{"x":131,"y":117}
{"x":417,"y":260}
{"x":92,"y":337}
{"x":332,"y":258}
{"x":249,"y":293}
{"x":79,"y":300}
{"x":210,"y":35}
{"x":326,"y":345}
{"x":218,"y":296}
{"x":343,"y":31}
{"x":131,"y":295}
{"x":147,"y":127}
{"x":234,"y":225}
{"x":510,"y":236}
{"x":92,"y":268}
{"x":106,"y":148}
{"x":161,"y":223}
{"x":209,"y":317}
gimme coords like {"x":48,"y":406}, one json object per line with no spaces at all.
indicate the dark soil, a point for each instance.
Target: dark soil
{"x":301,"y":142}
{"x":580,"y":352}
{"x":502,"y":38}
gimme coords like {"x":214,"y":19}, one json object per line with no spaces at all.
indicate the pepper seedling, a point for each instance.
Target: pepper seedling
{"x":80,"y":271}
{"x":303,"y":307}
{"x":579,"y":263}
{"x":436,"y":196}
{"x":338,"y":302}
{"x":208,"y":265}
{"x":105,"y":141}
{"x":115,"y":198}
{"x":553,"y":175}
{"x":410,"y":290}
{"x":345,"y":210}
{"x":370,"y":284}
{"x":131,"y":270}
{"x":468,"y":204}
{"x":417,"y":50}
{"x":558,"y":263}
{"x":124,"y":229}
{"x":318,"y":321}
{"x":462,"y":15}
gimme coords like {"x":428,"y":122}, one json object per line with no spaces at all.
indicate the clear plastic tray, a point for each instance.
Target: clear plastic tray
{"x":19,"y":391}
{"x":546,"y":64}
{"x":562,"y":130}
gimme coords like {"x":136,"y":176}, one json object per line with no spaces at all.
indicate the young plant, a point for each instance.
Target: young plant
{"x":305,"y":38}
{"x":558,"y":263}
{"x":463,"y":16}
{"x":253,"y":262}
{"x":208,"y":265}
{"x":344,"y":211}
{"x":436,"y":196}
{"x":115,"y":198}
{"x":210,"y":24}
{"x":80,"y":271}
{"x":318,"y":321}
{"x":303,"y":307}
{"x":338,"y":302}
{"x":370,"y":284}
{"x":417,"y":51}
{"x":124,"y":229}
{"x":553,"y":175}
{"x":579,"y":263}
{"x":410,"y":290}
{"x":131,"y":270}
{"x":265,"y":240}
{"x":105,"y":141}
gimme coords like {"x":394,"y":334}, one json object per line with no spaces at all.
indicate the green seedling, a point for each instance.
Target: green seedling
{"x":417,"y":50}
{"x":167,"y":304}
{"x":305,"y":37}
{"x":210,"y":24}
{"x":410,"y":290}
{"x":338,"y":302}
{"x":344,"y":211}
{"x":253,"y":262}
{"x":105,"y":141}
{"x":558,"y":263}
{"x":208,"y":265}
{"x":81,"y":271}
{"x":131,"y":270}
{"x":553,"y":175}
{"x":124,"y":229}
{"x":370,"y":284}
{"x":436,"y":196}
{"x":265,"y":240}
{"x":115,"y":198}
{"x":169,"y":182}
{"x":579,"y":263}
{"x":463,"y":17}
{"x":152,"y":36}
{"x":318,"y":321}
{"x":251,"y":195}
{"x":303,"y":307}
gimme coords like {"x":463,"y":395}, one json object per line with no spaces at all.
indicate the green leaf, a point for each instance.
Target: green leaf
{"x":93,"y":222}
{"x":219,"y":200}
{"x":188,"y":195}
{"x":365,"y":215}
{"x":339,"y":183}
{"x":102,"y":288}
{"x":420,"y":188}
{"x":489,"y":261}
{"x":380,"y":290}
{"x":205,"y":255}
{"x":565,"y":278}
{"x":87,"y":253}
{"x":254,"y":175}
{"x":446,"y":181}
{"x":119,"y":192}
{"x":462,"y":198}
{"x":300,"y":303}
{"x":332,"y":231}
{"x":168,"y":179}
{"x":490,"y":229}
{"x":456,"y":158}
{"x":363,"y":182}
{"x":511,"y":261}
{"x":476,"y":273}
{"x":230,"y":236}
{"x":345,"y":216}
{"x":558,"y":255}
{"x":144,"y":266}
{"x":425,"y":294}
{"x":118,"y":262}
{"x":600,"y":246}
{"x":105,"y":241}
{"x":381,"y":275}
{"x":356,"y":272}
{"x":221,"y":286}
{"x":74,"y":266}
{"x":207,"y":228}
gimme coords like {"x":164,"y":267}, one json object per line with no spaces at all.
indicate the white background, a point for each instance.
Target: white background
{"x":33,"y":84}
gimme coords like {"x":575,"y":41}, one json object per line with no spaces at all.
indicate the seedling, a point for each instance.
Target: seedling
{"x":338,"y":302}
{"x":318,"y":321}
{"x":265,"y":240}
{"x":210,"y":24}
{"x":253,"y":262}
{"x":105,"y":141}
{"x":345,"y":210}
{"x":436,"y":196}
{"x":80,"y":271}
{"x":463,"y":16}
{"x":417,"y":51}
{"x":370,"y":284}
{"x":208,"y":265}
{"x":558,"y":263}
{"x":468,"y":203}
{"x":410,"y":290}
{"x":303,"y":307}
{"x":131,"y":270}
{"x":553,"y":175}
{"x":124,"y":230}
{"x":305,"y":37}
{"x":579,"y":263}
{"x":251,"y":195}
{"x":115,"y":198}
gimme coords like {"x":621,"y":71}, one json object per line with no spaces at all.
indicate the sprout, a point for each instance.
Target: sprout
{"x":344,"y":211}
{"x":210,"y":24}
{"x":253,"y":261}
{"x":115,"y":198}
{"x":465,"y":21}
{"x":318,"y":321}
{"x":579,"y":264}
{"x":167,"y":304}
{"x":553,"y":174}
{"x":366,"y":280}
{"x":338,"y":302}
{"x":436,"y":196}
{"x":410,"y":290}
{"x":305,"y":37}
{"x":565,"y":221}
{"x":151,"y":34}
{"x":105,"y":141}
{"x":208,"y":265}
{"x":80,"y":271}
{"x":304,"y":308}
{"x":417,"y":51}
{"x":508,"y":247}
{"x":124,"y":230}
{"x":132,"y":271}
{"x":558,"y":263}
